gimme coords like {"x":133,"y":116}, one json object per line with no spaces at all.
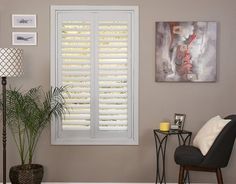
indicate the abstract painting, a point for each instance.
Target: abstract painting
{"x":186,"y":51}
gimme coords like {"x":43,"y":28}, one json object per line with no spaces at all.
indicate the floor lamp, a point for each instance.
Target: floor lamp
{"x":10,"y":66}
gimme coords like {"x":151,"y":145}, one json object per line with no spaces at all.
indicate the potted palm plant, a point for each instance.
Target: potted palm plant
{"x":28,"y":113}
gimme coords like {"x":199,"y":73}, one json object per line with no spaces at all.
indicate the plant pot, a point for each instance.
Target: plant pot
{"x":26,"y":174}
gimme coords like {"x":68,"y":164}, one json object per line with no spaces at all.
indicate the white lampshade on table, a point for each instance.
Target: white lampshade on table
{"x":11,"y":62}
{"x":10,"y":66}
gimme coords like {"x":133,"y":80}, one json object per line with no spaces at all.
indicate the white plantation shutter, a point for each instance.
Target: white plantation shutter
{"x":75,"y":36}
{"x":113,"y":51}
{"x":95,"y":55}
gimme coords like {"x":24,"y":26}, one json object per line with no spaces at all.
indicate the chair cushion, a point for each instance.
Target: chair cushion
{"x":188,"y":155}
{"x":208,"y":133}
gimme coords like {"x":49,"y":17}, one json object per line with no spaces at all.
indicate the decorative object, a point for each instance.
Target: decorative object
{"x":186,"y":51}
{"x":10,"y":66}
{"x":179,"y":120}
{"x":24,"y":38}
{"x":174,"y":127}
{"x":164,"y":126}
{"x":24,"y":21}
{"x":28,"y":113}
{"x":208,"y":133}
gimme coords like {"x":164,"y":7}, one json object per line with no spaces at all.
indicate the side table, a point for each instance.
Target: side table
{"x":161,"y":137}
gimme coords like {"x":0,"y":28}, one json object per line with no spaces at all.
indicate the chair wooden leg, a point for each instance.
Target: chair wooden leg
{"x":181,"y":175}
{"x":219,"y":176}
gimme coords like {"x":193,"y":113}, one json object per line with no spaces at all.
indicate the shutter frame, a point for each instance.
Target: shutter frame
{"x":102,"y":138}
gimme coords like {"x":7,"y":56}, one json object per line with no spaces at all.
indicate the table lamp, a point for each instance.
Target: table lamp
{"x":10,"y":66}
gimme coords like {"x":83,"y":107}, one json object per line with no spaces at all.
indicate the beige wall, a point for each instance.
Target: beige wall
{"x":158,"y":101}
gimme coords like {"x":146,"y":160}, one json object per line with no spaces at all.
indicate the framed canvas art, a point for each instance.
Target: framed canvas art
{"x":185,"y":51}
{"x":24,"y":38}
{"x":24,"y":21}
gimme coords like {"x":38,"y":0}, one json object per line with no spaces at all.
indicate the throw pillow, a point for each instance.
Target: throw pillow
{"x":208,"y":133}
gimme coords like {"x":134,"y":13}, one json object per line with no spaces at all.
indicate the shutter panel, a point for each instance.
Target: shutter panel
{"x":76,"y":65}
{"x":113,"y":74}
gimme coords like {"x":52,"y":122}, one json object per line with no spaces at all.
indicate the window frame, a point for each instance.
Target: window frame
{"x":67,"y":137}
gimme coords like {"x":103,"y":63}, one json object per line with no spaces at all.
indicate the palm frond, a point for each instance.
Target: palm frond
{"x":28,"y":113}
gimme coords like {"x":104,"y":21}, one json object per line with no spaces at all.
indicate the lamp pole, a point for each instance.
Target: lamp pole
{"x":4,"y":132}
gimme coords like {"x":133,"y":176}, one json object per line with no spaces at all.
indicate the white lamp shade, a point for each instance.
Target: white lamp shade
{"x":11,"y":62}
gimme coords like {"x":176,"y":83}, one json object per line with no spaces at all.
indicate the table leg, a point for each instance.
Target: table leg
{"x":160,"y":154}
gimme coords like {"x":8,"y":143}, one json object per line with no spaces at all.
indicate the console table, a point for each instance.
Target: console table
{"x":161,"y":137}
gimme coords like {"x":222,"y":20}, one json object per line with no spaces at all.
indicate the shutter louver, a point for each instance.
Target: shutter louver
{"x":76,"y":64}
{"x":113,"y":75}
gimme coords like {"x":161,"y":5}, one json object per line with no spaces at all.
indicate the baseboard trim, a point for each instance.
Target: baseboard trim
{"x":107,"y":183}
{"x":103,"y":183}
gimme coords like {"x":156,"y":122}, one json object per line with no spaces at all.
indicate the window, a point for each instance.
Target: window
{"x":94,"y":51}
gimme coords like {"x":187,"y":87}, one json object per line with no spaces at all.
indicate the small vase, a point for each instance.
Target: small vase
{"x":26,"y":174}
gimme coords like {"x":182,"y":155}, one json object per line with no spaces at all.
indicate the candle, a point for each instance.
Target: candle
{"x":164,"y":126}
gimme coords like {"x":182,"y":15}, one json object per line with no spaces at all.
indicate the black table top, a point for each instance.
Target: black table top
{"x":172,"y":132}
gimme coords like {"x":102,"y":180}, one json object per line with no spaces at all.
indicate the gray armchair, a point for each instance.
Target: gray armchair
{"x":191,"y":158}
